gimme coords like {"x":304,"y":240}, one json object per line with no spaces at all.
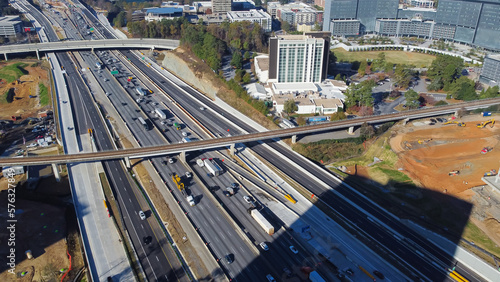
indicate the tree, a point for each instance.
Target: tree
{"x":247,"y":55}
{"x":360,"y":94}
{"x":285,"y":26}
{"x":491,"y":92}
{"x":258,"y":3}
{"x":412,"y":101}
{"x":463,"y":89}
{"x":338,"y":76}
{"x":366,"y":131}
{"x":246,"y":78}
{"x":362,"y":68}
{"x":236,"y":60}
{"x":446,"y":68}
{"x":290,"y":106}
{"x":403,"y":75}
{"x":338,"y":116}
{"x":379,"y":63}
{"x":120,"y":19}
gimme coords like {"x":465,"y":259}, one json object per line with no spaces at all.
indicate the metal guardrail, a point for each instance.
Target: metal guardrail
{"x":226,"y":141}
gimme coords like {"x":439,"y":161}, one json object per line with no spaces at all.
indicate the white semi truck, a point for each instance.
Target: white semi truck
{"x":212,"y":167}
{"x":262,"y":221}
{"x":161,"y":114}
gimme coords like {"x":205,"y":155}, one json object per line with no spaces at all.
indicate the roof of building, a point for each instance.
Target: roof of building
{"x":254,"y":88}
{"x":164,"y":10}
{"x":294,"y":87}
{"x":495,"y":57}
{"x":302,"y":100}
{"x":329,"y":103}
{"x":263,"y":62}
{"x":252,"y":14}
{"x":338,"y":83}
{"x":9,"y":19}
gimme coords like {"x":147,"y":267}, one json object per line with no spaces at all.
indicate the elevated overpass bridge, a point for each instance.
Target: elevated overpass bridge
{"x":154,"y":151}
{"x":132,"y":43}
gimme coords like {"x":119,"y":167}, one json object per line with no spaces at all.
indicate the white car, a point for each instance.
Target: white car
{"x":247,"y":199}
{"x":294,"y":250}
{"x":264,"y":246}
{"x":202,"y":108}
{"x":32,"y":145}
{"x":142,"y":215}
{"x":188,"y":174}
{"x":170,"y":161}
{"x":184,"y":133}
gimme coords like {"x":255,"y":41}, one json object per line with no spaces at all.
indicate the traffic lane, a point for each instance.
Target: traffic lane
{"x":359,"y":219}
{"x":121,"y":184}
{"x":213,"y":226}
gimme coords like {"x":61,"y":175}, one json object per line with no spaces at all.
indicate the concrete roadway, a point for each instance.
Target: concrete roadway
{"x":223,"y":239}
{"x":383,"y":235}
{"x":119,"y":179}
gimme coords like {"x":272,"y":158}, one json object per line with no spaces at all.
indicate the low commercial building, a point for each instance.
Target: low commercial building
{"x":257,"y":91}
{"x":308,"y":103}
{"x":10,"y":26}
{"x":490,"y":74}
{"x":261,"y":64}
{"x":256,"y":16}
{"x":157,"y":14}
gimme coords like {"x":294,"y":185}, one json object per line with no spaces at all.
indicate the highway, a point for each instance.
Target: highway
{"x":216,"y":124}
{"x":214,"y":121}
{"x":300,"y":170}
{"x":159,"y":262}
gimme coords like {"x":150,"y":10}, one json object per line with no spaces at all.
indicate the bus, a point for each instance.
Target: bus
{"x":144,"y":123}
{"x":177,"y":126}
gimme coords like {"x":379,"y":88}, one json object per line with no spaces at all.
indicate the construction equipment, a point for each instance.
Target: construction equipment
{"x":454,"y":172}
{"x":455,"y":122}
{"x":424,"y":141}
{"x":486,"y":150}
{"x":492,"y":172}
{"x":178,"y":182}
{"x":484,"y":123}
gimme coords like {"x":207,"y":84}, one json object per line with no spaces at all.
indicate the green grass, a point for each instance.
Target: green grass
{"x":44,"y":94}
{"x":394,"y":175}
{"x":12,"y":72}
{"x":395,"y":57}
{"x":474,"y":234}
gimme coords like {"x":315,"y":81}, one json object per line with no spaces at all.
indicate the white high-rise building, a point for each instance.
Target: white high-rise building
{"x":299,"y":58}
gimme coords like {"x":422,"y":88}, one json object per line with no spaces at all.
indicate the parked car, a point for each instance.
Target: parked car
{"x":294,"y":250}
{"x":32,"y":145}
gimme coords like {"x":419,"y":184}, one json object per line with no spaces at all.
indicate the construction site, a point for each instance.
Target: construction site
{"x":434,"y":167}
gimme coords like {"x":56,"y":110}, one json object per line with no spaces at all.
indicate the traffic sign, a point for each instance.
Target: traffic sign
{"x":91,"y":29}
{"x":114,"y":72}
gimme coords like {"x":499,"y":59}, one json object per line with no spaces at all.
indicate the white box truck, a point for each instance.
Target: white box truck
{"x":262,"y":221}
{"x":161,"y":114}
{"x":212,"y":167}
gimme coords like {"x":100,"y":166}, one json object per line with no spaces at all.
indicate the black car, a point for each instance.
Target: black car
{"x":234,"y":185}
{"x":229,"y":258}
{"x":433,"y":120}
{"x":378,"y":274}
{"x":147,"y":240}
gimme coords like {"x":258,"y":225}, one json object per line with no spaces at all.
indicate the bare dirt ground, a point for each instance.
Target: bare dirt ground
{"x":42,"y":228}
{"x":23,"y":105}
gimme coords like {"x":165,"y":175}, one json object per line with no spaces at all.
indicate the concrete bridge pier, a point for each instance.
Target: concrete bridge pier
{"x":405,"y":121}
{"x":5,"y":54}
{"x":232,"y":150}
{"x":182,"y":156}
{"x":294,"y":139}
{"x":127,"y":162}
{"x":57,"y":175}
{"x":350,"y":131}
{"x":152,"y":48}
{"x":37,"y":55}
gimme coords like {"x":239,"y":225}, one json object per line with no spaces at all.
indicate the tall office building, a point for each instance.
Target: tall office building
{"x":221,"y":6}
{"x":475,"y":22}
{"x":299,"y":58}
{"x":490,"y":74}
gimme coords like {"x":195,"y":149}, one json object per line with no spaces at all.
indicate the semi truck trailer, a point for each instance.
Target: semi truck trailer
{"x":262,"y":221}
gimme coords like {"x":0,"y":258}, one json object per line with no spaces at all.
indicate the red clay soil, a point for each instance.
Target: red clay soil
{"x":451,"y":148}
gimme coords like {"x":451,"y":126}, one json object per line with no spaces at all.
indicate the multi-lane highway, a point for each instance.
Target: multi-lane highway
{"x":158,"y":260}
{"x":357,"y":209}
